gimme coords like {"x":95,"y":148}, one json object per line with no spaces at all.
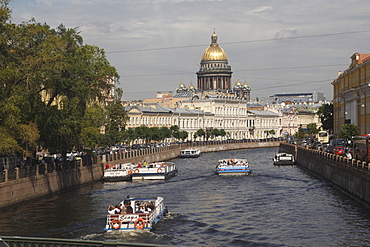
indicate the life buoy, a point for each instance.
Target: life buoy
{"x":116,"y":224}
{"x":136,"y":171}
{"x":159,"y":170}
{"x":139,"y":223}
{"x":129,"y":172}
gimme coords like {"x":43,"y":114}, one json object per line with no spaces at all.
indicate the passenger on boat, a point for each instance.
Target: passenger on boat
{"x":140,"y":210}
{"x":147,"y":210}
{"x":144,"y":163}
{"x":111,"y":209}
{"x":129,"y":209}
{"x":123,"y":209}
{"x":127,"y":201}
{"x":151,"y":205}
{"x":118,"y":209}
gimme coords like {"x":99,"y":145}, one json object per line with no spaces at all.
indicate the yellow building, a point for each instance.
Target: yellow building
{"x":352,"y":95}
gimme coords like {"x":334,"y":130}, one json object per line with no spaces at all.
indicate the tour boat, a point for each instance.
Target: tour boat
{"x":136,"y":214}
{"x":189,"y":153}
{"x":283,"y":159}
{"x":118,"y":172}
{"x":233,"y":167}
{"x":157,"y":170}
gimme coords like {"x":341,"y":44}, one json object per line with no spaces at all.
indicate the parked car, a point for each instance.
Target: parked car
{"x":339,"y":150}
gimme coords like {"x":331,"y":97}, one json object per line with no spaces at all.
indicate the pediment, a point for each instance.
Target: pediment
{"x":134,"y":110}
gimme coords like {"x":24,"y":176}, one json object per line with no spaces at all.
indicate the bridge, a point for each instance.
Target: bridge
{"x":7,"y":241}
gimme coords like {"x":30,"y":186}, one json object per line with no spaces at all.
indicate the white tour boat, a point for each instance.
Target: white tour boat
{"x":233,"y":167}
{"x":118,"y":172}
{"x":283,"y":159}
{"x":189,"y":153}
{"x":136,"y":214}
{"x":157,"y":170}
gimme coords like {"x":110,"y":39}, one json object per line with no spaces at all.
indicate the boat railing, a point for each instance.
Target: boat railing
{"x":127,"y":218}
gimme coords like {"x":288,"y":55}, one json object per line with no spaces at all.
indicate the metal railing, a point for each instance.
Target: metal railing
{"x":14,"y":241}
{"x":39,"y":169}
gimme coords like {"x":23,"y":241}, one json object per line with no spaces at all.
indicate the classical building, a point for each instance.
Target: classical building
{"x":158,"y":116}
{"x":216,"y":103}
{"x":215,"y":72}
{"x":214,"y":76}
{"x":295,"y":98}
{"x":230,"y":113}
{"x":352,"y":95}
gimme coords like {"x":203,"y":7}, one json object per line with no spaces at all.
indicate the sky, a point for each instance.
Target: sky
{"x":275,"y":46}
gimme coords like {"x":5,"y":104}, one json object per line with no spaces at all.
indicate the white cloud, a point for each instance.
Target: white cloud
{"x":124,"y":25}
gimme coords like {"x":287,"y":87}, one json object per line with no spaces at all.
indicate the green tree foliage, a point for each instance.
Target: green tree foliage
{"x":116,"y":120}
{"x":200,"y":133}
{"x":325,"y":112}
{"x":300,"y":133}
{"x":312,"y":129}
{"x":53,"y":88}
{"x":348,"y":131}
{"x":269,"y":132}
{"x":183,"y":135}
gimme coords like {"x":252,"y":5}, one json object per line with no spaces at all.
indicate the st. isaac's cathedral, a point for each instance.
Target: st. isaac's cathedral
{"x":214,"y":76}
{"x":215,"y":103}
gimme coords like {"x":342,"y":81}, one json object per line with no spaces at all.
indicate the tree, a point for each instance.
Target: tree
{"x":325,"y":112}
{"x":269,"y":132}
{"x":175,"y":131}
{"x":183,"y":135}
{"x":200,"y":133}
{"x":348,"y":131}
{"x":312,"y":129}
{"x":116,"y":119}
{"x":300,"y":133}
{"x":49,"y":82}
{"x":215,"y":132}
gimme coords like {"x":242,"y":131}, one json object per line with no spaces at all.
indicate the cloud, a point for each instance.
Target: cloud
{"x":262,"y":9}
{"x":248,"y":31}
{"x":286,"y":33}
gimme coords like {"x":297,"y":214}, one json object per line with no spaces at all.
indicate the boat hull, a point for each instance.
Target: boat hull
{"x":233,"y":171}
{"x":284,"y":159}
{"x":189,"y":153}
{"x":117,"y":179}
{"x":157,"y":171}
{"x":233,"y":167}
{"x":116,"y":175}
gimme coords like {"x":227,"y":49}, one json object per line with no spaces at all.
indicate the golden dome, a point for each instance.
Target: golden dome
{"x":238,"y":83}
{"x":214,"y":52}
{"x":191,"y":86}
{"x":245,"y":84}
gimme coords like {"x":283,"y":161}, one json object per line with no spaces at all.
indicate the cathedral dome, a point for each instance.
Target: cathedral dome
{"x":214,"y":52}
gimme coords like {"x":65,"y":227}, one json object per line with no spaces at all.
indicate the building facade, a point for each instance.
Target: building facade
{"x":352,"y":95}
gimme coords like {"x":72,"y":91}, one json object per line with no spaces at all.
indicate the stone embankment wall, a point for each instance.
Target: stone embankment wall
{"x":352,"y":176}
{"x":48,"y":179}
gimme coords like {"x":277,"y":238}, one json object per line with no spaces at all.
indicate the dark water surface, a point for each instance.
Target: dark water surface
{"x":275,"y":206}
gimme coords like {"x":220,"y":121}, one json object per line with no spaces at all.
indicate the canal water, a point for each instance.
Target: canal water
{"x":274,"y":206}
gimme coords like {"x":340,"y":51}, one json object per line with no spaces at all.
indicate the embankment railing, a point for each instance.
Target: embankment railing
{"x":41,"y":169}
{"x":338,"y":160}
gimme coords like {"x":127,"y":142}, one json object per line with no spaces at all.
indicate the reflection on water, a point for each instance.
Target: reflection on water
{"x":274,"y":206}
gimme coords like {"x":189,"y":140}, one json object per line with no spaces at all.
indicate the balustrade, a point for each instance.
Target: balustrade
{"x":40,"y":169}
{"x":356,"y":165}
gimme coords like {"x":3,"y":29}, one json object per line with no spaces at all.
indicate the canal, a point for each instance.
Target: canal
{"x":274,"y":206}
